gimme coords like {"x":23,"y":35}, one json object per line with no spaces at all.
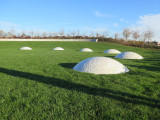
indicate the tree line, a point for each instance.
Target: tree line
{"x":127,"y":36}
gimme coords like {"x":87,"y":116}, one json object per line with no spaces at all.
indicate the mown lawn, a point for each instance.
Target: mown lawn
{"x":41,"y":84}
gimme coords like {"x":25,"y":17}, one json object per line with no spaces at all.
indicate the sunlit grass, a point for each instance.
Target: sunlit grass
{"x":41,"y":84}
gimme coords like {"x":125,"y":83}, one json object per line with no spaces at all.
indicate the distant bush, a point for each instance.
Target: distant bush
{"x":141,"y":44}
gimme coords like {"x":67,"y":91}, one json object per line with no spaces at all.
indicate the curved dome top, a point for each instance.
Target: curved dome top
{"x":25,"y":48}
{"x":57,"y":48}
{"x":129,"y":55}
{"x":114,"y":51}
{"x":86,"y":50}
{"x":100,"y":65}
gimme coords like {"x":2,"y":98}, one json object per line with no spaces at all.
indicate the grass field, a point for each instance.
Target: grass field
{"x":41,"y":84}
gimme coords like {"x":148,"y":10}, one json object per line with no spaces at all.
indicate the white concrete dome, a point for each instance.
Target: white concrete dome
{"x":113,"y":51}
{"x":86,"y":50}
{"x":100,"y":65}
{"x":57,"y":48}
{"x":25,"y":48}
{"x":129,"y":55}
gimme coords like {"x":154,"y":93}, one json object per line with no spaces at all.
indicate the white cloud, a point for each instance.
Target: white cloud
{"x":99,"y":14}
{"x":126,"y":21}
{"x":115,"y":24}
{"x":96,"y":29}
{"x":151,"y":21}
{"x":5,"y":25}
{"x":121,"y":19}
{"x":65,"y":23}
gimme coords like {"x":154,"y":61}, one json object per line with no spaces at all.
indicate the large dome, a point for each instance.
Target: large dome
{"x":114,"y":51}
{"x":129,"y":55}
{"x":57,"y":48}
{"x":86,"y":50}
{"x":25,"y":48}
{"x":100,"y":65}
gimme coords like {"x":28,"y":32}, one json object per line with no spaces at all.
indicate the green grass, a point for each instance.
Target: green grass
{"x":41,"y":84}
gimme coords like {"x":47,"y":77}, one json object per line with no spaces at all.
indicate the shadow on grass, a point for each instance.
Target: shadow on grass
{"x":149,"y":68}
{"x":111,"y":94}
{"x":110,"y":56}
{"x":68,"y":65}
{"x":98,"y":52}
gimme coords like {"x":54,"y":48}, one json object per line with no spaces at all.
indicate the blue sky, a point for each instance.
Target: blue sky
{"x":85,"y":15}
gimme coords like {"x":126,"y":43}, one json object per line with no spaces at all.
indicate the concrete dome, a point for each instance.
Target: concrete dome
{"x":57,"y":48}
{"x":25,"y":48}
{"x":129,"y":55}
{"x":86,"y":50}
{"x":100,"y":65}
{"x":114,"y":51}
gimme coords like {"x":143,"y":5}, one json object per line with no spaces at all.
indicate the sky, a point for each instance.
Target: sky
{"x":84,"y":15}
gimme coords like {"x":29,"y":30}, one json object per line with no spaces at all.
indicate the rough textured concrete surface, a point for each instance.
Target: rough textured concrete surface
{"x":86,"y":50}
{"x":57,"y":48}
{"x":25,"y":48}
{"x":113,"y":51}
{"x":100,"y":65}
{"x":129,"y":55}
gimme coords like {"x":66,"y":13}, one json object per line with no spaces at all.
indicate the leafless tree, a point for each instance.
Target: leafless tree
{"x":149,"y":34}
{"x":9,"y":34}
{"x":54,"y":34}
{"x":84,"y":34}
{"x":23,"y":35}
{"x":1,"y":33}
{"x":12,"y":31}
{"x":44,"y":34}
{"x":126,"y":33}
{"x":73,"y":33}
{"x":105,"y":34}
{"x":78,"y":33}
{"x":38,"y":34}
{"x":32,"y":33}
{"x":69,"y":33}
{"x":92,"y":34}
{"x":50,"y":34}
{"x":97,"y":34}
{"x":61,"y":32}
{"x":116,"y":36}
{"x":136,"y":35}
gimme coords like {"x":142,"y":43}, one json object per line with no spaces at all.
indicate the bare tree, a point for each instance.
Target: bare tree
{"x":105,"y":34}
{"x":50,"y":34}
{"x":73,"y":33}
{"x":116,"y":36}
{"x":126,"y":33}
{"x":32,"y":33}
{"x":61,"y":32}
{"x":92,"y":34}
{"x":148,"y":34}
{"x":136,"y":35}
{"x":78,"y":33}
{"x":97,"y":34}
{"x":84,"y":34}
{"x":9,"y":34}
{"x":38,"y":34}
{"x":23,"y":35}
{"x":54,"y":34}
{"x":12,"y":31}
{"x":44,"y":34}
{"x":1,"y":33}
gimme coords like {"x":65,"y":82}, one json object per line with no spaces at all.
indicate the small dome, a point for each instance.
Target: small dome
{"x":129,"y":55}
{"x":100,"y":65}
{"x":86,"y":50}
{"x":114,"y":51}
{"x":57,"y":48}
{"x":25,"y":48}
